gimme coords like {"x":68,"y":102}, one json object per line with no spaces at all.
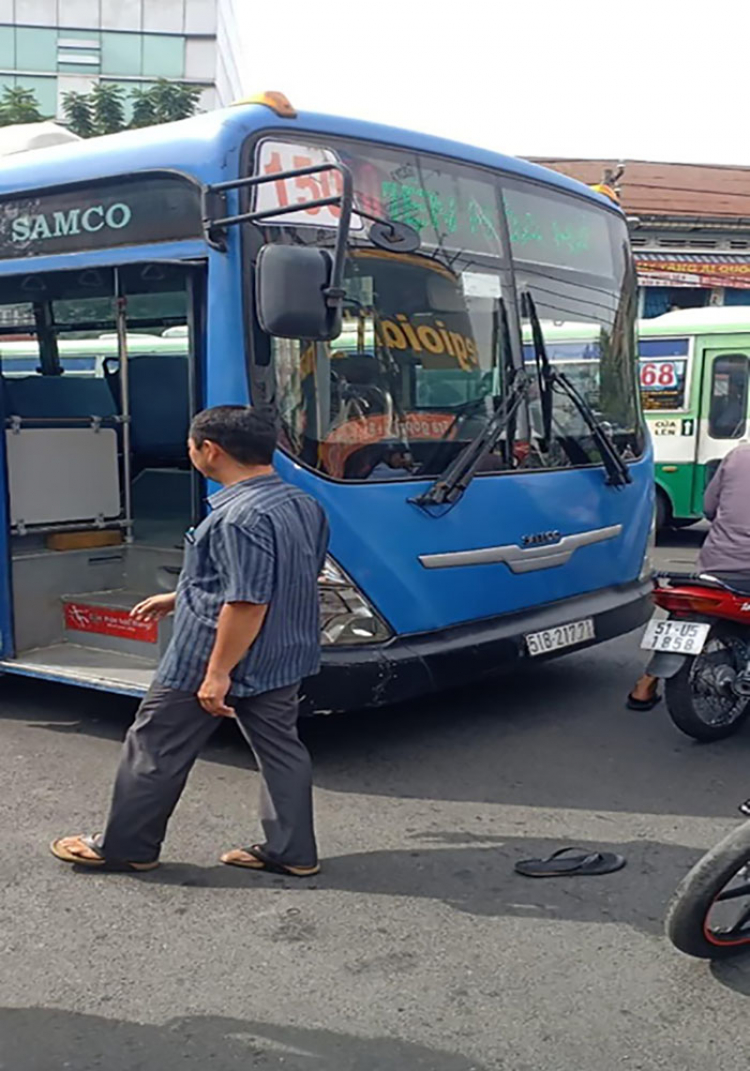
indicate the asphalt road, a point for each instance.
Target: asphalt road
{"x":418,"y":947}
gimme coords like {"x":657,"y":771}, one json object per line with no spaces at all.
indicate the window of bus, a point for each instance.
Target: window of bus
{"x":422,"y":361}
{"x":727,"y":418}
{"x":663,"y":369}
{"x":65,"y":323}
{"x":573,"y":258}
{"x":34,"y":340}
{"x":415,"y":373}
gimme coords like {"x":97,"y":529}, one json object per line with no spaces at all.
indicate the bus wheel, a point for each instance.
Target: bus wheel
{"x":663,"y":511}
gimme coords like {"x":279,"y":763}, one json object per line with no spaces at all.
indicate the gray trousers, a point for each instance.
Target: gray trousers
{"x":160,"y":748}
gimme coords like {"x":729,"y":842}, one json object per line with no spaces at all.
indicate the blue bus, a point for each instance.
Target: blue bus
{"x":389,"y":295}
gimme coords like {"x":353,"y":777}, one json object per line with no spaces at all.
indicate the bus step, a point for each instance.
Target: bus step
{"x":87,"y":667}
{"x":101,"y":619}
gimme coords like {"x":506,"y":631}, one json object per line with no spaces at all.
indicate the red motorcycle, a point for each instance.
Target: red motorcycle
{"x":709,"y":916}
{"x":702,"y":651}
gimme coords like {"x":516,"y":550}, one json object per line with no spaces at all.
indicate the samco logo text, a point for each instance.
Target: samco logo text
{"x":43,"y":227}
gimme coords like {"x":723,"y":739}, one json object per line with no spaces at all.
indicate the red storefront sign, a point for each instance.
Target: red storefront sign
{"x":688,"y":271}
{"x":107,"y":621}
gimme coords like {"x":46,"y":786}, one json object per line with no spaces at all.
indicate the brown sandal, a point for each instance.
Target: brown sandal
{"x":261,"y":861}
{"x":61,"y":852}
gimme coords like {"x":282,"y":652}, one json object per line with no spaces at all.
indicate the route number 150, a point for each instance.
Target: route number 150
{"x":275,"y":157}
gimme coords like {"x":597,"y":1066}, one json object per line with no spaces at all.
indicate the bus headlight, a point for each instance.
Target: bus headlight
{"x":647,"y":567}
{"x":346,"y":617}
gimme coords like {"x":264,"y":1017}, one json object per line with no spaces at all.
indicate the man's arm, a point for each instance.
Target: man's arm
{"x":237,"y":630}
{"x":245,"y":558}
{"x":713,"y":493}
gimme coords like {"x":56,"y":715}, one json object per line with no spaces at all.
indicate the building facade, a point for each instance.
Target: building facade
{"x":57,"y":46}
{"x":689,"y":227}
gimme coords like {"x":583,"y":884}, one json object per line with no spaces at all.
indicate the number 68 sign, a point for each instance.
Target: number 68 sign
{"x":275,"y":157}
{"x":661,"y":375}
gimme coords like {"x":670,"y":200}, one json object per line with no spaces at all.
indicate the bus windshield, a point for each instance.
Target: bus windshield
{"x":423,"y":358}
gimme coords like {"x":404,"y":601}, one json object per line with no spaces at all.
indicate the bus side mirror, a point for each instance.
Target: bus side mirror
{"x":294,"y":294}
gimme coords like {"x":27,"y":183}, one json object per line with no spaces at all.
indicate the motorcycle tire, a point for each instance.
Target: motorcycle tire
{"x":679,"y":694}
{"x":687,"y":917}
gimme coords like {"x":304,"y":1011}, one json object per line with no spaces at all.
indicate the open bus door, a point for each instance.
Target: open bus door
{"x":723,"y":419}
{"x":6,"y":616}
{"x":97,"y":489}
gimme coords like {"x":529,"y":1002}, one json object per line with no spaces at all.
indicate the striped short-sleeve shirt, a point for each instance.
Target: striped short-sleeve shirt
{"x":264,"y":542}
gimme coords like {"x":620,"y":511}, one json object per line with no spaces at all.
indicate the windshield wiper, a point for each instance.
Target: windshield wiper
{"x":461,"y":413}
{"x":449,"y":487}
{"x":501,"y":327}
{"x":617,"y":469}
{"x":452,"y":483}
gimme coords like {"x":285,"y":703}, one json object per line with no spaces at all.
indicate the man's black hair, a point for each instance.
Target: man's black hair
{"x":248,"y":435}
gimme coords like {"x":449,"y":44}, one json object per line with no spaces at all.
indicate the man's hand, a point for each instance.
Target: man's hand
{"x":212,"y":694}
{"x":155,"y":607}
{"x":236,"y":630}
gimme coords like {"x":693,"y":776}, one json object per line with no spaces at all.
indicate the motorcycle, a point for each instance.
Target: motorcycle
{"x":709,"y":916}
{"x":701,"y":651}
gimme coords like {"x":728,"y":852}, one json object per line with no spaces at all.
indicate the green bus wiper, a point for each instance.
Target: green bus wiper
{"x":618,"y":472}
{"x":449,"y":487}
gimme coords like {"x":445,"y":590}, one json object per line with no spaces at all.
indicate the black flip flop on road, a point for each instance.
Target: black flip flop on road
{"x":642,"y":704}
{"x":563,"y":863}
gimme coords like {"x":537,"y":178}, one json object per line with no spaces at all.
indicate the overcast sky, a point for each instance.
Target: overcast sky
{"x":640,"y":79}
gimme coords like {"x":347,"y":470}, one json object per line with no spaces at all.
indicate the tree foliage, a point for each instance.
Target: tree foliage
{"x":102,"y":111}
{"x":174,"y":100}
{"x":144,"y":108}
{"x":80,"y":119}
{"x":18,"y":105}
{"x":107,"y":107}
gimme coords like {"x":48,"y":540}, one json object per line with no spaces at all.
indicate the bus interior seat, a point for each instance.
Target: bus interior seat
{"x":58,"y":397}
{"x":364,"y":382}
{"x":360,"y":464}
{"x":159,"y":408}
{"x":359,"y":368}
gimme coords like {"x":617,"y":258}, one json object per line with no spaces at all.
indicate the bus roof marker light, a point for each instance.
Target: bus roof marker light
{"x":277,"y":102}
{"x":606,"y":191}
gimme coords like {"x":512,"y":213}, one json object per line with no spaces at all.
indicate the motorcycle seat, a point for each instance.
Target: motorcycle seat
{"x":739,"y":583}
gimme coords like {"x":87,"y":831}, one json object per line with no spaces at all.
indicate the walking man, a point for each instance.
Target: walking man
{"x":246,"y":632}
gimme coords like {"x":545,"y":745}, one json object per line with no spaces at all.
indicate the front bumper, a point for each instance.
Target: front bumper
{"x":408,"y":666}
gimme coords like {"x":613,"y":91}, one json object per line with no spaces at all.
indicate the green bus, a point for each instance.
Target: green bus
{"x":694,"y":374}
